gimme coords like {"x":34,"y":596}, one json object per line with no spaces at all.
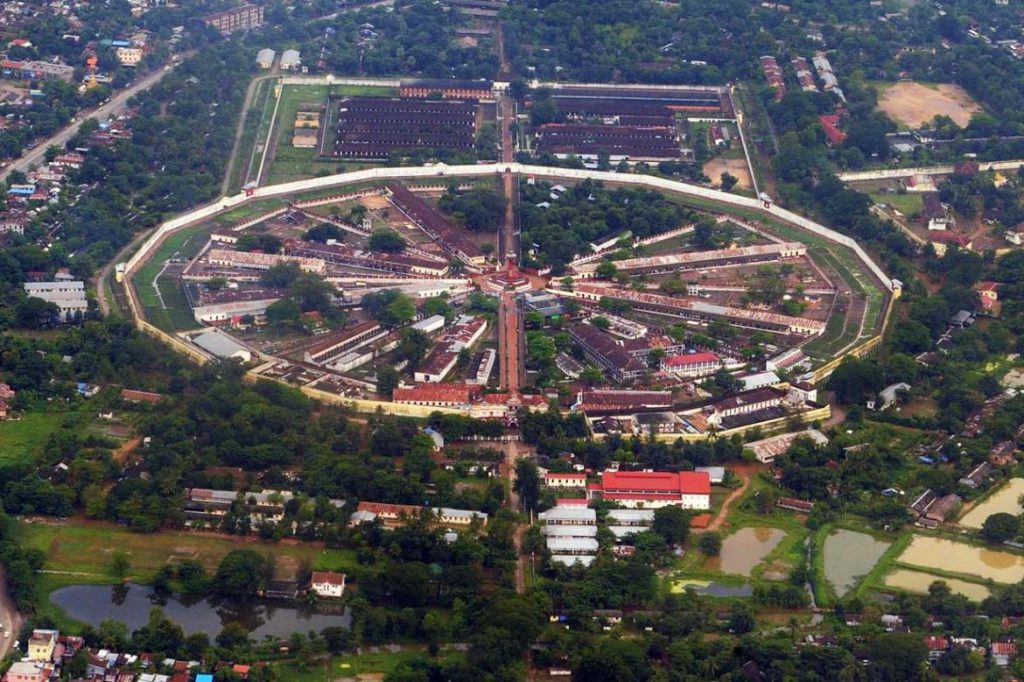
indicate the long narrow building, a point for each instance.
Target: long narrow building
{"x":675,"y":262}
{"x":442,"y":230}
{"x":699,"y":310}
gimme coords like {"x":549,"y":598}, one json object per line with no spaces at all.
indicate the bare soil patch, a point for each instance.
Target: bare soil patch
{"x":735,"y":167}
{"x":914,"y":104}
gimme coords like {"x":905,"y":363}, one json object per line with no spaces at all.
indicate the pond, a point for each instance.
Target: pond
{"x":745,"y":549}
{"x":708,"y":588}
{"x":849,"y":556}
{"x":915,"y":581}
{"x":959,"y":557}
{"x":131,"y":604}
{"x":1003,"y":500}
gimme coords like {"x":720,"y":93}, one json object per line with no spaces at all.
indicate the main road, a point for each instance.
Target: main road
{"x":116,"y":104}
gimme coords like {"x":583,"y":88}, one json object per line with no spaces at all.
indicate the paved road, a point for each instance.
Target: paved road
{"x":116,"y":105}
{"x":10,"y":619}
{"x":229,"y":172}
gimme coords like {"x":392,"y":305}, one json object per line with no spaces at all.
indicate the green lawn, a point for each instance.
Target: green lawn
{"x":88,"y":547}
{"x":347,"y":666}
{"x":24,"y":438}
{"x":178,"y":315}
{"x":907,"y":204}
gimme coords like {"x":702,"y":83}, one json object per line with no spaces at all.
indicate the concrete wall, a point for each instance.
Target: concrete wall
{"x":947,"y":169}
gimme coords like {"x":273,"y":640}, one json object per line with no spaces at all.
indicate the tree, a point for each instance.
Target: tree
{"x":672,"y":523}
{"x":242,"y":572}
{"x":704,"y":234}
{"x":728,"y":181}
{"x":413,"y":347}
{"x":119,"y":565}
{"x":895,"y":656}
{"x":527,"y":483}
{"x":1000,"y":527}
{"x":323,"y":232}
{"x":606,"y":269}
{"x":386,"y":241}
{"x":281,"y":275}
{"x":387,"y":380}
{"x":601,"y":322}
{"x":710,"y":543}
{"x":283,"y":311}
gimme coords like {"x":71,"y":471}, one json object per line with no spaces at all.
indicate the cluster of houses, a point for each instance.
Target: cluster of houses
{"x":48,"y":651}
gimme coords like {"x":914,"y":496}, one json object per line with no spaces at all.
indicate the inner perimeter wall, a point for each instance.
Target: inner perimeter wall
{"x":154,"y":241}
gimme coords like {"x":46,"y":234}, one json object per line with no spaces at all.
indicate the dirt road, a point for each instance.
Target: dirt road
{"x":116,"y":105}
{"x":10,"y":619}
{"x":745,"y":473}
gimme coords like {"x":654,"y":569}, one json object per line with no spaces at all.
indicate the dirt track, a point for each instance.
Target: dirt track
{"x":9,"y":617}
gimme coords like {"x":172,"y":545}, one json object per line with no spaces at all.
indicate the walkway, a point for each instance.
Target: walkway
{"x":745,"y":473}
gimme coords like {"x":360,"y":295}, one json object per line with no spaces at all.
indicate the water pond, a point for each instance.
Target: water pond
{"x":1003,"y":500}
{"x":131,"y":604}
{"x":745,"y":549}
{"x":849,"y":556}
{"x":915,"y":581}
{"x":959,"y":557}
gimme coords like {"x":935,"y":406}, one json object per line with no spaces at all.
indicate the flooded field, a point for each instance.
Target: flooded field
{"x":958,"y":557}
{"x":913,"y":581}
{"x":1003,"y":500}
{"x":849,"y":556}
{"x":745,"y":549}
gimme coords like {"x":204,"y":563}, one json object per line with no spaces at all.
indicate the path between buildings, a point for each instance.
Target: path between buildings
{"x":745,"y":472}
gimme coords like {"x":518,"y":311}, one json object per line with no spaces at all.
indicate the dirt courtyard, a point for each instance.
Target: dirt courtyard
{"x":913,"y":104}
{"x":735,"y":167}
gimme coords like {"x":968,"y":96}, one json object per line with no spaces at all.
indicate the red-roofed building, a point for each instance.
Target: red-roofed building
{"x":1003,"y":653}
{"x":937,"y":646}
{"x":573,"y":480}
{"x":572,"y":502}
{"x":134,"y":396}
{"x":437,"y":395}
{"x":700,"y":521}
{"x":327,"y":583}
{"x":653,"y":489}
{"x":692,"y":364}
{"x":988,"y":293}
{"x":940,"y":241}
{"x":833,"y":135}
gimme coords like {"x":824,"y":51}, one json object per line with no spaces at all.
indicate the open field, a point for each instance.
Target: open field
{"x":24,"y":438}
{"x":289,"y":163}
{"x":148,"y":281}
{"x":907,"y":204}
{"x":735,"y":167}
{"x":372,"y":664}
{"x":914,"y":104}
{"x":87,"y":547}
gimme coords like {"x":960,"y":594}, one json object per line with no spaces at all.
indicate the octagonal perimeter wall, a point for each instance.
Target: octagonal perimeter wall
{"x":482,"y":170}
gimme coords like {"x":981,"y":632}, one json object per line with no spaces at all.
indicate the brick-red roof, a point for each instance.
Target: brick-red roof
{"x":327,"y":577}
{"x":691,"y":359}
{"x":936,"y":643}
{"x":655,"y":482}
{"x":459,"y":394}
{"x":140,"y":396}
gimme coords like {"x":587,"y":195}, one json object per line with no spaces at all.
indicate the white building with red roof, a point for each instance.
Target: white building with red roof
{"x":327,"y":584}
{"x":692,"y":364}
{"x":568,"y":480}
{"x":653,"y":489}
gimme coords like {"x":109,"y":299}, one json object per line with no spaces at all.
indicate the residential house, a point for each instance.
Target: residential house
{"x":327,"y":584}
{"x":42,"y":644}
{"x":28,"y":671}
{"x":888,"y":396}
{"x":936,"y":213}
{"x":937,"y":647}
{"x":977,"y":477}
{"x":565,"y":480}
{"x":1003,"y":653}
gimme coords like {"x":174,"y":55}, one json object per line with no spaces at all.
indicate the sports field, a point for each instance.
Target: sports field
{"x":915,"y":104}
